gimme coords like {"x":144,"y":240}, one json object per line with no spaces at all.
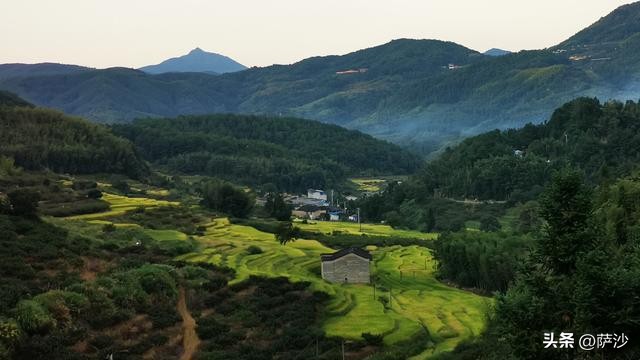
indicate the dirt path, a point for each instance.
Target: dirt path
{"x":190,"y":340}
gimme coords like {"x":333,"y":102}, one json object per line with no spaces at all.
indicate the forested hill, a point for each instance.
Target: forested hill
{"x":39,"y":138}
{"x":601,"y":139}
{"x":292,"y":154}
{"x":10,"y":99}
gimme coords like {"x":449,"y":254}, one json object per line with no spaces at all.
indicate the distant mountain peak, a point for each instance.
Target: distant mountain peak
{"x":197,"y":60}
{"x":496,"y":52}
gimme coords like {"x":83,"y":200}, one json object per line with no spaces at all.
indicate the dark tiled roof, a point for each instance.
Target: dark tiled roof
{"x":309,"y":208}
{"x":338,"y":254}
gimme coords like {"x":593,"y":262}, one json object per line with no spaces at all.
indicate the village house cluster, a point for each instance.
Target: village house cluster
{"x":318,"y":205}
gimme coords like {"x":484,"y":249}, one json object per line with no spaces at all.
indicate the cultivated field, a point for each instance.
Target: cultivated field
{"x":329,"y":227}
{"x":121,"y":204}
{"x":408,"y":299}
{"x":403,"y":274}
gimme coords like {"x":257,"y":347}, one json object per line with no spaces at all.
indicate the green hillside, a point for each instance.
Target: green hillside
{"x":292,"y":154}
{"x":601,"y":139}
{"x":46,"y":139}
{"x":478,"y":178}
{"x":11,"y":100}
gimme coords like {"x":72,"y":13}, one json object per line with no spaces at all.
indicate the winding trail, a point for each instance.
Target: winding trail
{"x":190,"y":340}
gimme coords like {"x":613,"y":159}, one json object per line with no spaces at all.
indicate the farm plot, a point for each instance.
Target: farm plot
{"x":408,"y":299}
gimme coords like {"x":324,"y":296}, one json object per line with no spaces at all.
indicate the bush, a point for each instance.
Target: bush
{"x":10,"y":333}
{"x":107,"y":228}
{"x":23,"y":202}
{"x":372,"y":339}
{"x":254,"y":250}
{"x":84,"y":185}
{"x":222,"y":196}
{"x":94,"y":194}
{"x":489,"y":223}
{"x":33,"y":317}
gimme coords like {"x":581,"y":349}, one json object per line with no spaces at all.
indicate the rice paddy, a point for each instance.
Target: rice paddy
{"x":414,"y":299}
{"x":406,"y":300}
{"x":352,"y":228}
{"x":368,"y":185}
{"x":119,"y":205}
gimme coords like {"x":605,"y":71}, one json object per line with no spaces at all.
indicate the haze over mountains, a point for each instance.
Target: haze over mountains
{"x":420,"y":93}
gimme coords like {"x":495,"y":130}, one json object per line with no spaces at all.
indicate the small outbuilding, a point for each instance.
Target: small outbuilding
{"x":349,"y":265}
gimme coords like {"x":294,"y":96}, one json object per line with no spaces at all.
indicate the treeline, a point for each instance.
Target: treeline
{"x":407,"y":205}
{"x":600,"y":139}
{"x":514,"y":165}
{"x":486,"y":261}
{"x":45,"y":139}
{"x":581,"y":276}
{"x":291,"y":154}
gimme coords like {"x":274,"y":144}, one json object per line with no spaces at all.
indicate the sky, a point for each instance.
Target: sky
{"x":134,"y":33}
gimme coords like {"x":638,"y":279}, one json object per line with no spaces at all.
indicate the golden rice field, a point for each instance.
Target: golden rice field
{"x":418,"y":300}
{"x":329,"y":227}
{"x":405,"y":275}
{"x":119,"y":204}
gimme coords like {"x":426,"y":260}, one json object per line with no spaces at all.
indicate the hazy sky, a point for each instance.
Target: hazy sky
{"x":133,"y":33}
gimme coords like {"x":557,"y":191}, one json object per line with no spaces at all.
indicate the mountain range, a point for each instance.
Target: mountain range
{"x":423,"y":94}
{"x":197,"y":60}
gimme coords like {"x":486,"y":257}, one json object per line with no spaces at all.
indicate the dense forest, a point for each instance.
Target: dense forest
{"x":581,"y":275}
{"x":47,"y":139}
{"x":601,"y":140}
{"x":290,"y":154}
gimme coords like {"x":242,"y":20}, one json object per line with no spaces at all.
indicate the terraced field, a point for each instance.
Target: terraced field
{"x":418,"y":302}
{"x":407,"y":299}
{"x":368,"y":185}
{"x":121,"y":204}
{"x":328,"y":227}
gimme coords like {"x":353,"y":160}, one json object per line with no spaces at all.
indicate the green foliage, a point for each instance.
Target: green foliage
{"x":583,"y":132}
{"x":287,"y":232}
{"x":372,"y":339}
{"x":33,"y":317}
{"x":12,"y":100}
{"x":254,"y":250}
{"x":407,"y":205}
{"x":227,"y":198}
{"x":277,"y":208}
{"x":110,"y":227}
{"x":24,"y":202}
{"x":489,"y":223}
{"x":566,"y":208}
{"x":577,"y":280}
{"x":10,"y":334}
{"x":290,"y":154}
{"x":486,"y":261}
{"x":38,"y":138}
{"x":7,"y":166}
